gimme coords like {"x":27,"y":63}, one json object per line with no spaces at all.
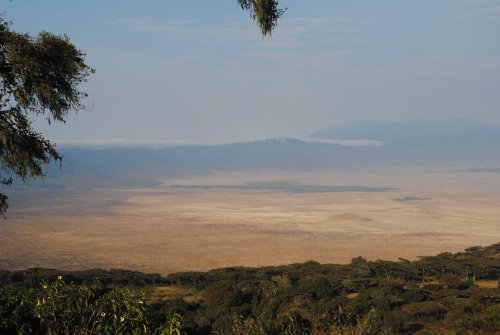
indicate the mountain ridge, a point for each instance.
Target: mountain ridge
{"x":433,"y":143}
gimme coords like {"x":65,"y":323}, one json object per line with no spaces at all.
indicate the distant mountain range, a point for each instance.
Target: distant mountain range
{"x":359,"y":145}
{"x":426,"y":142}
{"x":456,"y":132}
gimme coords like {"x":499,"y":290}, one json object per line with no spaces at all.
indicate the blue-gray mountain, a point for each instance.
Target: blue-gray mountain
{"x":453,"y":132}
{"x":444,"y":143}
{"x":426,"y":142}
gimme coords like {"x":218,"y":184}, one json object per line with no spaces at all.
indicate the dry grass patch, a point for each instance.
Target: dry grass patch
{"x":163,"y":293}
{"x":429,"y":282}
{"x":352,"y":295}
{"x":487,"y":283}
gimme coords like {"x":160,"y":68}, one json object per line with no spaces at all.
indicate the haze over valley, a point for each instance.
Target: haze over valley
{"x":264,"y":167}
{"x":388,"y":191}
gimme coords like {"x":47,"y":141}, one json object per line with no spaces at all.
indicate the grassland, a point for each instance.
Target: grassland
{"x":267,"y":218}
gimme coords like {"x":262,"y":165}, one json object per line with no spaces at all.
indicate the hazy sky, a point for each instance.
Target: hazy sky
{"x":198,"y":70}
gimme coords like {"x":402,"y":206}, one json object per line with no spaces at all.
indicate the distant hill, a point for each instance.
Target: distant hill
{"x":443,"y":143}
{"x":419,"y":131}
{"x":146,"y":165}
{"x":426,"y":142}
{"x":456,"y":131}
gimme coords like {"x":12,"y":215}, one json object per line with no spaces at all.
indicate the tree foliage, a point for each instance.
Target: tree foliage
{"x":60,"y":308}
{"x":265,"y":12}
{"x":38,"y":75}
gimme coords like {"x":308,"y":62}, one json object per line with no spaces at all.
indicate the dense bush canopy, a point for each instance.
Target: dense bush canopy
{"x":443,"y":294}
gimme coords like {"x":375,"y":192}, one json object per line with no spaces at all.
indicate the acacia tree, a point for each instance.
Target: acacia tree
{"x":38,"y":75}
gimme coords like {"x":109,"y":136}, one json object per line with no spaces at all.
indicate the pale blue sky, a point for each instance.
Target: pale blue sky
{"x":198,"y":70}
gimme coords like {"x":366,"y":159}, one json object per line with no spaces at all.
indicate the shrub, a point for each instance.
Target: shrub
{"x":58,"y":308}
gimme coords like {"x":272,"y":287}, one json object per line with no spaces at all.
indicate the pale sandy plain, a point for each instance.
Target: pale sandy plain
{"x":169,"y":229}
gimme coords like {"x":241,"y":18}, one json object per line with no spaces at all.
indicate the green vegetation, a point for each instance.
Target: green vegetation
{"x":443,"y":294}
{"x":58,"y":308}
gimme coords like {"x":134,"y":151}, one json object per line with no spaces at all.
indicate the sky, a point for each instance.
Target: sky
{"x":198,"y":71}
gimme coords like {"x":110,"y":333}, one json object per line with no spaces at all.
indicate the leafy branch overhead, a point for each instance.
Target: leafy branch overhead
{"x":38,"y":75}
{"x":265,"y":12}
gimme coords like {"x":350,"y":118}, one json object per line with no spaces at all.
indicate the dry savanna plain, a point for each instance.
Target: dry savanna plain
{"x":253,"y":219}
